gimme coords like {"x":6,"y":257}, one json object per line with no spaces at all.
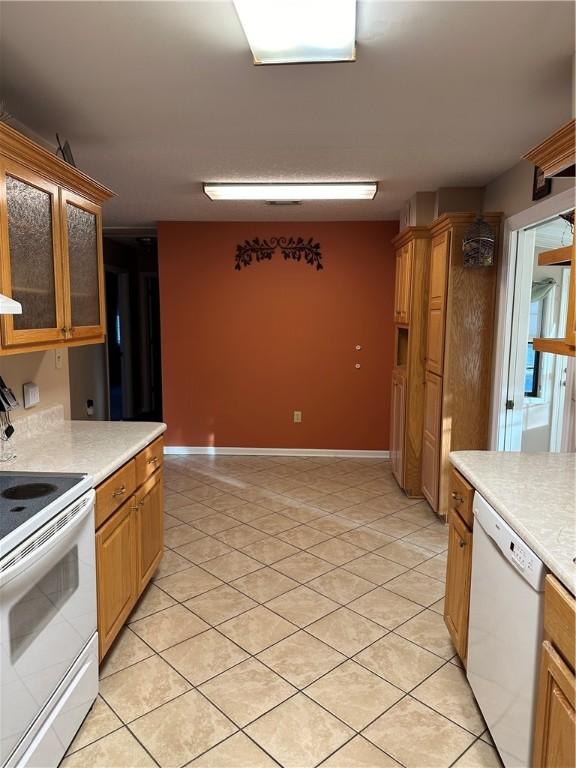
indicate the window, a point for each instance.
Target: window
{"x":533,"y":358}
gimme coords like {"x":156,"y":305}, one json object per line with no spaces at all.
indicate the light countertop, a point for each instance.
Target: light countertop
{"x":535,"y":493}
{"x":97,"y":448}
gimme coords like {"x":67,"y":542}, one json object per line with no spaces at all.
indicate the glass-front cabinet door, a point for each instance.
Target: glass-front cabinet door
{"x":83,"y":267}
{"x":30,"y":263}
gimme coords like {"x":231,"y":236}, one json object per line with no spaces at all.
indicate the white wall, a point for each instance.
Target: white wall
{"x":89,"y":381}
{"x":40,"y":368}
{"x":511,"y":192}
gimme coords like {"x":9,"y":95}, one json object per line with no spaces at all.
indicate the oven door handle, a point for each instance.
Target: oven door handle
{"x":44,"y":539}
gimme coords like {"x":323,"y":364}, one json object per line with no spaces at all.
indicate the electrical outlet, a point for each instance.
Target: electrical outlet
{"x":297,"y":417}
{"x":58,"y":358}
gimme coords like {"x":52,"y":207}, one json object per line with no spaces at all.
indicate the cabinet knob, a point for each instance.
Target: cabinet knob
{"x":65,"y":329}
{"x":119,"y":491}
{"x":153,"y":460}
{"x":457,"y":498}
{"x":461,"y":543}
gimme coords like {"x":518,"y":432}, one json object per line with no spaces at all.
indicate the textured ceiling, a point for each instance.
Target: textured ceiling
{"x":156,"y":97}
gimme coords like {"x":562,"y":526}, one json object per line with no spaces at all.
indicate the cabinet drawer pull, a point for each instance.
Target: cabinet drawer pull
{"x":119,"y":491}
{"x":457,"y":498}
{"x":461,"y":543}
{"x":153,"y":460}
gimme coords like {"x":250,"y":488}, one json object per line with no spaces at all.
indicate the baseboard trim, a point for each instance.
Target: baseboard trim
{"x":208,"y":450}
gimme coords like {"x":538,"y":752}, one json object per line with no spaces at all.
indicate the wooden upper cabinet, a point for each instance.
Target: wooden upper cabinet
{"x":439,"y":256}
{"x":403,"y":282}
{"x":31,"y":268}
{"x":50,"y":248}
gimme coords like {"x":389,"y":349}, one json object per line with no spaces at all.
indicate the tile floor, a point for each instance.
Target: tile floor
{"x":295,"y":620}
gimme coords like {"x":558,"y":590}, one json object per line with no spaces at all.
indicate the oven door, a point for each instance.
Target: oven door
{"x":47,"y":615}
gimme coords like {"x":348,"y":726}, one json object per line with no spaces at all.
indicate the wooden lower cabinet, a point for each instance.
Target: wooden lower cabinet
{"x":555,"y":730}
{"x":129,"y":547}
{"x":115,"y":573}
{"x":149,"y":529}
{"x":458,"y":576}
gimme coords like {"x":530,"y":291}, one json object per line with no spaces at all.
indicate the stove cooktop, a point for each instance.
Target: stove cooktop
{"x":24,"y":494}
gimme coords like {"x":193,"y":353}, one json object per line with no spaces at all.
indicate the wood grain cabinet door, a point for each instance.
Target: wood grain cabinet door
{"x":406,"y":292}
{"x":150,"y":528}
{"x":458,"y":576}
{"x":555,"y":733}
{"x":398,"y":423}
{"x":431,"y":438}
{"x":439,"y":256}
{"x":115,"y":573}
{"x":31,"y":263}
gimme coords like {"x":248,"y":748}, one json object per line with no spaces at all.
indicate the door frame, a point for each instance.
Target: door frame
{"x":546,"y":209}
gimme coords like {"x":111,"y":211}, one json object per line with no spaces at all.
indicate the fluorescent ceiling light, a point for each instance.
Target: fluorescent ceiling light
{"x":364,"y":190}
{"x":299,"y":31}
{"x":9,"y":307}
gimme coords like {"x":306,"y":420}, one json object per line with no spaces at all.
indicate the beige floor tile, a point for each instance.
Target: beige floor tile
{"x":304,"y":513}
{"x":299,"y":733}
{"x":264,"y":584}
{"x":479,"y":755}
{"x":303,"y":536}
{"x":169,"y":521}
{"x":232,"y":566}
{"x":117,"y":750}
{"x":302,"y":606}
{"x":181,"y":730}
{"x":333,"y":525}
{"x":204,"y":656}
{"x":428,"y":630}
{"x":126,"y":650}
{"x":99,"y":722}
{"x":337,"y":551}
{"x":136,"y":690}
{"x":220,"y":604}
{"x":171,"y":563}
{"x":359,"y":753}
{"x":240,"y":536}
{"x":390,"y":502}
{"x":366,"y":538}
{"x":189,"y":583}
{"x":340,"y":585}
{"x":435,"y":567}
{"x":447,"y":691}
{"x":270,"y":550}
{"x":305,"y":493}
{"x":301,"y":659}
{"x":169,"y":627}
{"x":434,"y":538}
{"x":416,"y":736}
{"x":247,"y":691}
{"x":257,"y":629}
{"x":354,"y":694}
{"x":181,"y":534}
{"x":487,"y":737}
{"x":274,"y":523}
{"x":236,"y":752}
{"x":438,"y":607}
{"x":374,"y":568}
{"x":202,"y":493}
{"x":193,"y":512}
{"x":215,"y":523}
{"x":332,"y":503}
{"x":385,"y":608}
{"x":420,"y":513}
{"x":207,"y":548}
{"x":399,"y":661}
{"x":224,"y":503}
{"x":404,"y":553}
{"x":303,"y":566}
{"x":248,"y":512}
{"x":346,"y":631}
{"x":361,"y":513}
{"x":175,"y":500}
{"x":394,"y":526}
{"x":417,"y":587}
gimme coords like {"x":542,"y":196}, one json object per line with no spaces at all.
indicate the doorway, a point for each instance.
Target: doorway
{"x":538,"y":393}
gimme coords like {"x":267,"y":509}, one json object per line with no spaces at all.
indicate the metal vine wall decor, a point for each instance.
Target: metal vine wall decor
{"x":290,"y":248}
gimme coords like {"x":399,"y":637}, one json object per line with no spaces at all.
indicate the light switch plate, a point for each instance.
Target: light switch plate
{"x":31,"y":394}
{"x":297,"y":417}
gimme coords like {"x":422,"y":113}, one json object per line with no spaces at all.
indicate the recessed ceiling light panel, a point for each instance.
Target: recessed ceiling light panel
{"x":299,"y":31}
{"x":364,"y":190}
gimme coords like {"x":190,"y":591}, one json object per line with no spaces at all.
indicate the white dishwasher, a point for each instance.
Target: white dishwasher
{"x":505,"y":632}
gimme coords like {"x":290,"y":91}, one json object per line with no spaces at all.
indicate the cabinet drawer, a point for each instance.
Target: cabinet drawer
{"x":560,"y":618}
{"x":114,"y":491}
{"x":149,"y":460}
{"x":461,"y":497}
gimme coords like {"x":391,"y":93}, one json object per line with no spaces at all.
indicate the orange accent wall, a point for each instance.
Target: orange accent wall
{"x":242,"y":350}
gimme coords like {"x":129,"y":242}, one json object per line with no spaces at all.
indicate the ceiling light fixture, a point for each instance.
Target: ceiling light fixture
{"x":363,"y":190}
{"x":299,"y":31}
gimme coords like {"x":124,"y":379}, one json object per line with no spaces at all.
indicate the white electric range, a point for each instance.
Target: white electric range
{"x":48,"y":640}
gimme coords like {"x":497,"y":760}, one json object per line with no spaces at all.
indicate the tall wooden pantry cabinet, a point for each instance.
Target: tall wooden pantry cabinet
{"x":412,"y":251}
{"x":458,"y":357}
